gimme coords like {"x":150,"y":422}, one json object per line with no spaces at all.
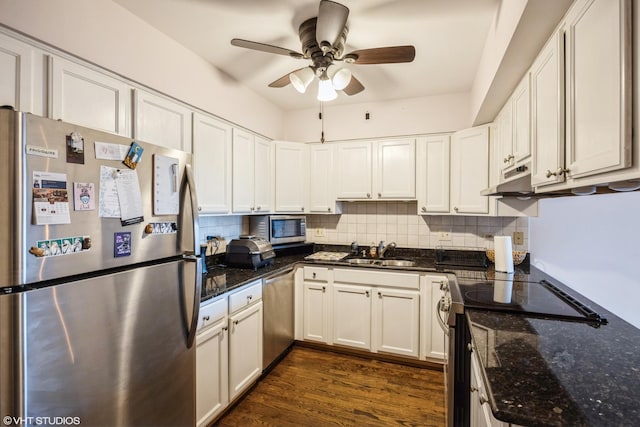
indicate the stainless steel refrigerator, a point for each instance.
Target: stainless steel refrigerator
{"x":99,"y":277}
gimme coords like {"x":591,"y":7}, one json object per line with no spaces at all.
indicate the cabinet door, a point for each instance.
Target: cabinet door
{"x":243,"y":171}
{"x":89,"y":98}
{"x":597,"y":37}
{"x":521,"y":121}
{"x":433,"y":172}
{"x":212,"y":372}
{"x":22,"y":83}
{"x":353,"y":173}
{"x":352,"y":315}
{"x":316,"y":311}
{"x":263,"y":178}
{"x":290,"y":176}
{"x":212,"y":157}
{"x":470,"y":170}
{"x":245,"y":348}
{"x":396,"y":169}
{"x":396,"y":321}
{"x":547,"y":100}
{"x":437,"y":339}
{"x":322,"y":197}
{"x":505,"y":124}
{"x":162,"y":121}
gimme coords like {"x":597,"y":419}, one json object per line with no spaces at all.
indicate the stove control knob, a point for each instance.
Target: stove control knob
{"x":445,"y":304}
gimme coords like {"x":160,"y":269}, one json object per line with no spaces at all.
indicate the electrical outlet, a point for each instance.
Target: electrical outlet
{"x":444,"y":236}
{"x":518,"y":238}
{"x":319,"y":232}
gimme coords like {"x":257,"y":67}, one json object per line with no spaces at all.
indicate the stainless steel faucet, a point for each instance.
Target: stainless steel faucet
{"x":382,"y":249}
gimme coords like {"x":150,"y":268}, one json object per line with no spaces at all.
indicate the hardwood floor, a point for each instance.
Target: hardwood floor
{"x":311,"y":387}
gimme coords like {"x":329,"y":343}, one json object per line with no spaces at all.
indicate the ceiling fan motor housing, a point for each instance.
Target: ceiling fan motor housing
{"x":313,"y":51}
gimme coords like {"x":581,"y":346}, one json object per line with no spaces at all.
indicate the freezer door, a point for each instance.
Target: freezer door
{"x":44,"y":151}
{"x":113,"y":350}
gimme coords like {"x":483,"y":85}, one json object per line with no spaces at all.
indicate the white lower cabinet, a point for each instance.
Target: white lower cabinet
{"x":352,"y":315}
{"x":433,"y":338}
{"x":212,"y":362}
{"x":396,"y":316}
{"x":316,"y":311}
{"x":245,"y":338}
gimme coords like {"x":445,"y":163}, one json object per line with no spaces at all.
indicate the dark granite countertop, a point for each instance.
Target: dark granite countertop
{"x":542,"y":372}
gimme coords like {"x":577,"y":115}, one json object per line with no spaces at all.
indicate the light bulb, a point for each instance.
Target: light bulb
{"x":326,"y":92}
{"x":301,"y":79}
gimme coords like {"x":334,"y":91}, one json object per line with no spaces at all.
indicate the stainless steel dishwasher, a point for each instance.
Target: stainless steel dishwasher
{"x":278,"y":309}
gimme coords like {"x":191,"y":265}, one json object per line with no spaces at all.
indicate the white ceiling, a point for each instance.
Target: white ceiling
{"x":448,"y":35}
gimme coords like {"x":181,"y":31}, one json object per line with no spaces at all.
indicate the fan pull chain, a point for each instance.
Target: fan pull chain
{"x":321,"y":117}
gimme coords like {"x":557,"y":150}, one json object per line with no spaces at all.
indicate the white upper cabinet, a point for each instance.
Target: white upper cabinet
{"x":547,"y":100}
{"x":162,"y":121}
{"x":353,"y":172}
{"x":396,"y":169}
{"x":598,"y":101}
{"x":470,"y":171}
{"x":212,"y":150}
{"x":505,"y":135}
{"x":322,"y":192}
{"x":521,"y":145}
{"x":291,"y":176}
{"x":252,"y":173}
{"x":23,"y":80}
{"x":377,"y":170}
{"x":432,"y":159}
{"x":89,"y":98}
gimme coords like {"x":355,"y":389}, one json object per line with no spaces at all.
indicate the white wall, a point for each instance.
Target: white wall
{"x":592,"y":244}
{"x":444,"y":113}
{"x":108,"y":35}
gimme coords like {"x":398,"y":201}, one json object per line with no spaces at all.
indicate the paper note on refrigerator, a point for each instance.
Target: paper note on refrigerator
{"x":50,"y":198}
{"x":129,"y":197}
{"x":108,"y":204}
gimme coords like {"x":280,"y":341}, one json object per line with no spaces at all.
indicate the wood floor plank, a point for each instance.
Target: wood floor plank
{"x":311,"y":387}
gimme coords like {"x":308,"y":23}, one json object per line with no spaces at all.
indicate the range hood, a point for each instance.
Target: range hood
{"x":517,"y":183}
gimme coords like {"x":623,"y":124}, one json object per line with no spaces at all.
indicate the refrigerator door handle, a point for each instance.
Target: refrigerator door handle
{"x":191,"y":183}
{"x":193,"y":324}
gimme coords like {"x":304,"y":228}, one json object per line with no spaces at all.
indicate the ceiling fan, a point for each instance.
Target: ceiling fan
{"x":323,"y":40}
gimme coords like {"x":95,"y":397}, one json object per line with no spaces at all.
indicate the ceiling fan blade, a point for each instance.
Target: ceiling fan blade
{"x":382,"y":55}
{"x":266,"y":48}
{"x":353,"y":87}
{"x":284,"y":80}
{"x":332,"y":18}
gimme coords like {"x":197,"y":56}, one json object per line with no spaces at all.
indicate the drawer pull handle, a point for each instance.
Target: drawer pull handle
{"x":206,"y":318}
{"x":324,"y":289}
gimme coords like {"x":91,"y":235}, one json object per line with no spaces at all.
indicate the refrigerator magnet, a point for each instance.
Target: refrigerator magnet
{"x":134,"y":156}
{"x":122,"y":244}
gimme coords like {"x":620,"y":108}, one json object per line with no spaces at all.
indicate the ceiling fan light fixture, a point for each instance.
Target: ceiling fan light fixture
{"x":301,"y":79}
{"x":340,"y":77}
{"x":326,"y":92}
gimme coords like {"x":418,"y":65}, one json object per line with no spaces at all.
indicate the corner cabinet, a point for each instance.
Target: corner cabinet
{"x":162,"y":121}
{"x":291,"y":176}
{"x":470,"y":171}
{"x":377,"y":170}
{"x":212,"y":151}
{"x":252,"y":173}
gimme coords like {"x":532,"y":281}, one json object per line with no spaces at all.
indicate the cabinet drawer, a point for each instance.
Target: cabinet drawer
{"x":393,"y":279}
{"x":245,"y":296}
{"x":211,"y":312}
{"x":316,"y":273}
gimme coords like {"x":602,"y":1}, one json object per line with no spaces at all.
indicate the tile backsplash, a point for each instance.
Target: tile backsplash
{"x":370,"y":222}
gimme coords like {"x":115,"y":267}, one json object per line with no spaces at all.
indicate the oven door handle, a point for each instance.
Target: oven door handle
{"x":443,"y":325}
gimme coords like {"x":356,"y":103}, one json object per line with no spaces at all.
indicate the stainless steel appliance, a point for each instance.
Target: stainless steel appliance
{"x":278,"y":316}
{"x":533,"y":295}
{"x":279,"y":229}
{"x":99,"y":277}
{"x":249,"y":252}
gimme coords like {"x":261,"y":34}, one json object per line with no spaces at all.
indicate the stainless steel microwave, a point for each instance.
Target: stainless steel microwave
{"x":279,"y":229}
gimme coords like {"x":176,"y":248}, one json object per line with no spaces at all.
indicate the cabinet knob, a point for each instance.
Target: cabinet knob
{"x":225,"y":328}
{"x":508,"y":158}
{"x":424,"y":209}
{"x":366,"y":293}
{"x":328,"y":209}
{"x":249,"y":298}
{"x":235,"y":322}
{"x":379,"y":294}
{"x":455,"y":208}
{"x":252,"y":208}
{"x":379,"y":194}
{"x":199,"y":208}
{"x":550,"y":174}
{"x":206,"y":318}
{"x":258,"y":208}
{"x":314,"y":275}
{"x":324,"y":289}
{"x":302,"y":209}
{"x":368,"y":195}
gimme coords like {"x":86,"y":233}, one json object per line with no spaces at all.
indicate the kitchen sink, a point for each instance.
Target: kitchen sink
{"x":382,"y":262}
{"x":396,"y":262}
{"x":361,"y":261}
